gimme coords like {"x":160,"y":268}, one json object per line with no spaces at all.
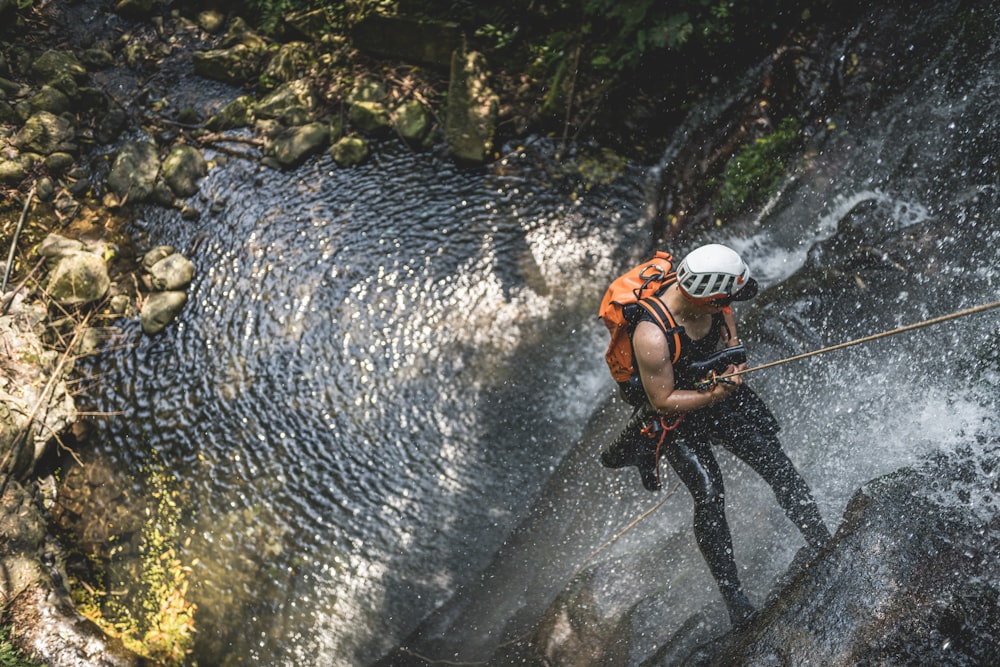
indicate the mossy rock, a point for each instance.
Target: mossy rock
{"x":238,"y":113}
{"x":371,"y":118}
{"x":413,"y":122}
{"x":349,"y":151}
{"x":78,"y":279}
{"x":182,"y":169}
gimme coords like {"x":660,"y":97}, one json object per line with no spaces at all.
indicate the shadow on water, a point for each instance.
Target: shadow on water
{"x":367,"y":386}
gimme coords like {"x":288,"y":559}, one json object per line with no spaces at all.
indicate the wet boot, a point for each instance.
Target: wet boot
{"x":816,"y":533}
{"x":741,"y":612}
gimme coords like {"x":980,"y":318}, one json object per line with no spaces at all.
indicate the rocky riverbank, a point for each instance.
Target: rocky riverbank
{"x":89,"y":128}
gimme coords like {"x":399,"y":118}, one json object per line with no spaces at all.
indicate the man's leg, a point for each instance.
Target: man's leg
{"x":697,"y":468}
{"x":635,"y":447}
{"x":764,"y":454}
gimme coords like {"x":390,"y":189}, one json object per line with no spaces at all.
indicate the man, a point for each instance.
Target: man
{"x":679,"y":417}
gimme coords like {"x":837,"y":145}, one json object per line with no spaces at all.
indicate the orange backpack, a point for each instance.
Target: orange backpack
{"x":637,"y":288}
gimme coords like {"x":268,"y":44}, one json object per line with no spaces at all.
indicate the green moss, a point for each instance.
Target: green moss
{"x":153,"y":618}
{"x":754,"y":172}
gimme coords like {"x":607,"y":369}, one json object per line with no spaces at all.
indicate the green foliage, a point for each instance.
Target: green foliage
{"x":635,"y":27}
{"x":269,"y":14}
{"x":10,"y":656}
{"x":627,"y":30}
{"x":754,"y":172}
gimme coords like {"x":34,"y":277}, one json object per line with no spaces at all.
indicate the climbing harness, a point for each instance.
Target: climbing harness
{"x":865,"y":339}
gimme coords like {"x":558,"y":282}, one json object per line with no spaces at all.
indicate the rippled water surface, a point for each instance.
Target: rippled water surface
{"x":371,"y":377}
{"x":379,"y":367}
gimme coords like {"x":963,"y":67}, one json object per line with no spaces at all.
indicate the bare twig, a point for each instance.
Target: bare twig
{"x":570,"y":95}
{"x":9,"y":300}
{"x":42,"y":401}
{"x":13,"y":242}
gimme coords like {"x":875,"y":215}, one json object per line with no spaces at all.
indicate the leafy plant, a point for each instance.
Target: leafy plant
{"x":635,"y":27}
{"x":10,"y":656}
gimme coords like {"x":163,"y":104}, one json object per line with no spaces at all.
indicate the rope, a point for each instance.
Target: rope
{"x":866,"y":339}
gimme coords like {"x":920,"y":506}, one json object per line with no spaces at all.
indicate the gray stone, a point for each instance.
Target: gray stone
{"x":135,"y":8}
{"x":7,"y":113}
{"x":294,"y":116}
{"x":10,"y":88}
{"x":55,"y":246}
{"x":413,"y":121}
{"x":79,"y":278}
{"x":239,"y":32}
{"x":53,"y":63}
{"x":65,"y":84}
{"x":160,"y":309}
{"x":133,"y":174}
{"x":14,"y":170}
{"x":370,"y":118}
{"x":45,"y":189}
{"x":80,"y":187}
{"x":50,"y":99}
{"x":46,"y":133}
{"x":97,"y":59}
{"x":237,"y":113}
{"x":236,"y":65}
{"x":296,"y":93}
{"x":162,"y":194}
{"x":295,"y":145}
{"x":182,"y":169}
{"x":111,"y":125}
{"x":154,"y":255}
{"x":292,"y":61}
{"x":210,"y":20}
{"x":58,"y":163}
{"x":173,"y":272}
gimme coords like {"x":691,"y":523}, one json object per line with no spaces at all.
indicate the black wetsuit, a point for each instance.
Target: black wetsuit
{"x":741,"y":423}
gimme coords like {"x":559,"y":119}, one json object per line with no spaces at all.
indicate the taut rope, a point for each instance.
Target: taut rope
{"x":866,"y":339}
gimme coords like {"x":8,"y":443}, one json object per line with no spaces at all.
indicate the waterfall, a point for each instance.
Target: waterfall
{"x":887,"y":218}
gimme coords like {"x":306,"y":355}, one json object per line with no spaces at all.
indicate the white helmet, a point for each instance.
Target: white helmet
{"x":714,"y":271}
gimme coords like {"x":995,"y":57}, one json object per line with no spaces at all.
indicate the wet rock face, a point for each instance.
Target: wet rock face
{"x":914,"y":578}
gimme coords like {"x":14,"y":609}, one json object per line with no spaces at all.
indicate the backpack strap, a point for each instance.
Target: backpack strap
{"x":665,"y":320}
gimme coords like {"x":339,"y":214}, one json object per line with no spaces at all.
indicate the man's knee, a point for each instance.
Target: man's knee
{"x":709,"y":496}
